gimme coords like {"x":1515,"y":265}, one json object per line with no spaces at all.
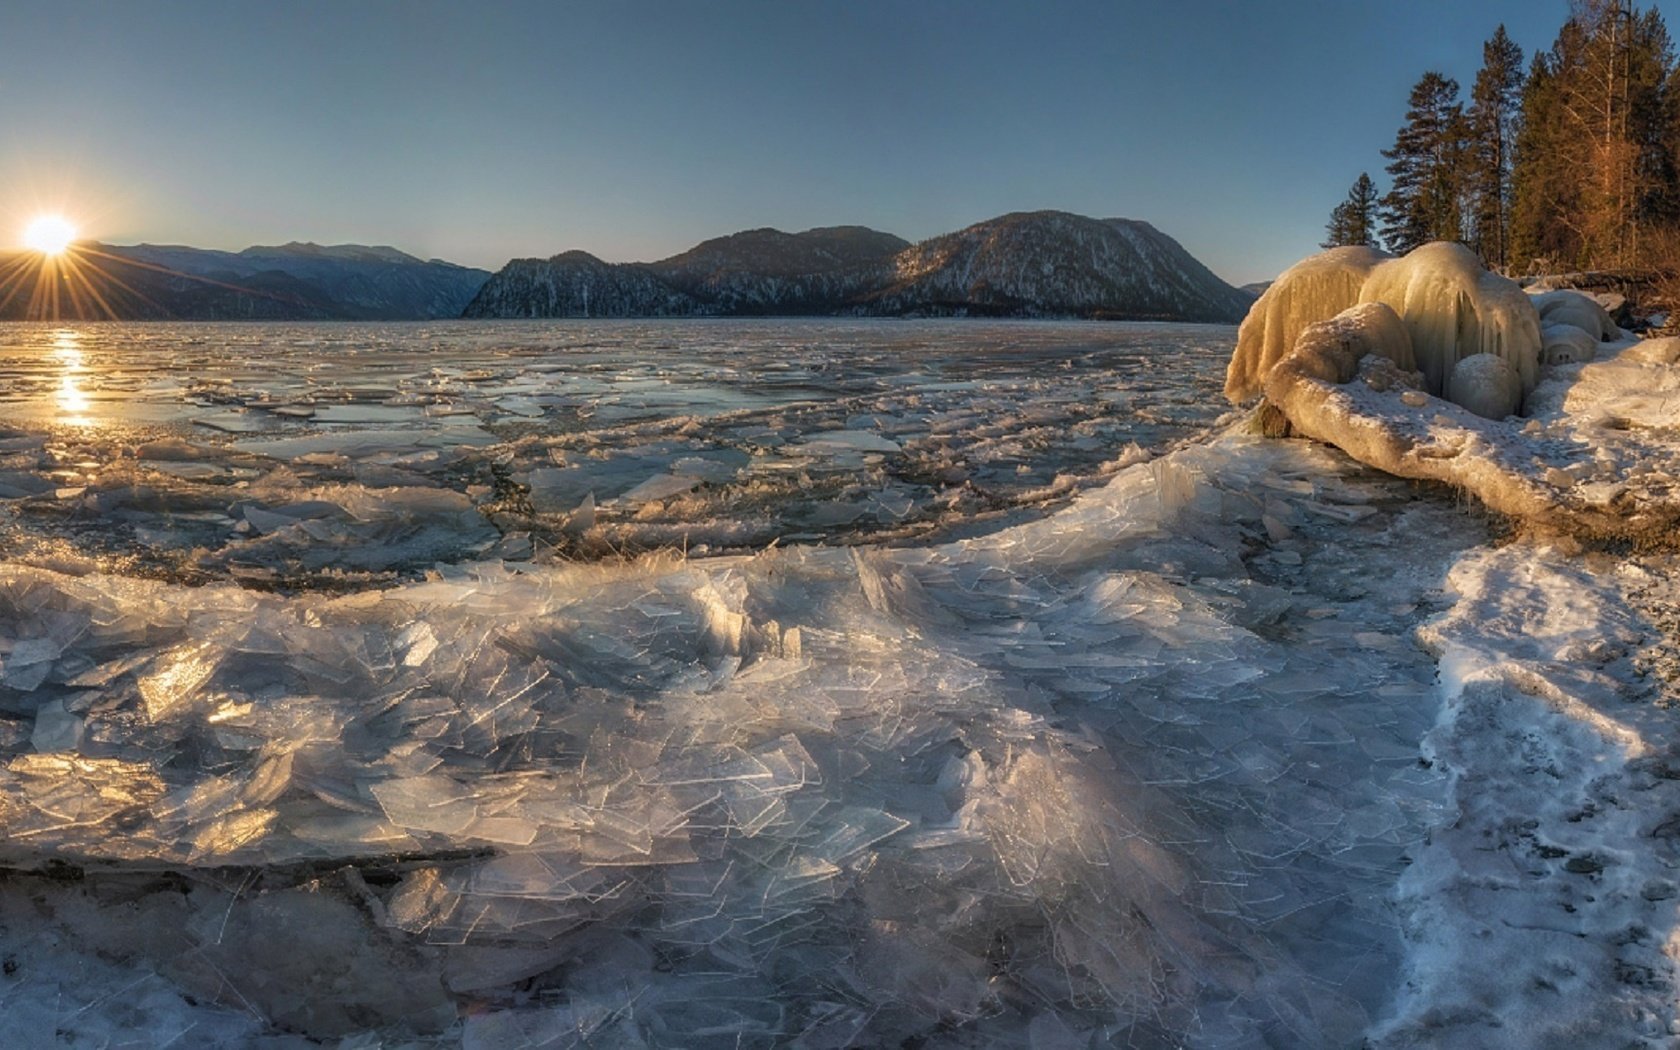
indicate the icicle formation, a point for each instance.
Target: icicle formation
{"x":1315,"y":289}
{"x":1456,"y":309}
{"x":1452,"y":309}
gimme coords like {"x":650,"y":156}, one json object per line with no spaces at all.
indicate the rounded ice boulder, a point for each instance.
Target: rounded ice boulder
{"x":1485,"y":384}
{"x":1577,"y":309}
{"x":1565,"y":344}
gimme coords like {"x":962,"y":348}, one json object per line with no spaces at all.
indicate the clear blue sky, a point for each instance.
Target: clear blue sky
{"x":482,"y":131}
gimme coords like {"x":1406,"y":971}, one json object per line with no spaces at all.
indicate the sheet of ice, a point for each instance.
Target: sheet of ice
{"x":1158,"y":765}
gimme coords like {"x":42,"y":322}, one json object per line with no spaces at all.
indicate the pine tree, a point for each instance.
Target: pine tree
{"x":1610,"y":70}
{"x":1664,"y":202}
{"x":1494,"y":104}
{"x":1354,"y":220}
{"x":1543,"y":175}
{"x":1426,"y":164}
{"x":1651,"y":104}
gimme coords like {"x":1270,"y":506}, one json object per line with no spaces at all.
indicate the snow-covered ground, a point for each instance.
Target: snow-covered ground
{"x":1246,"y":745}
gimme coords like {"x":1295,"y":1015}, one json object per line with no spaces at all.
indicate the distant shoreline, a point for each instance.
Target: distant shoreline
{"x":683,"y":319}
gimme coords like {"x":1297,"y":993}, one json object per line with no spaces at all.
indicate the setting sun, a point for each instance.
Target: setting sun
{"x":49,"y":234}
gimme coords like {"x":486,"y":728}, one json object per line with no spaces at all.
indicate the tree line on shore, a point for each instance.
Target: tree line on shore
{"x":1573,"y":164}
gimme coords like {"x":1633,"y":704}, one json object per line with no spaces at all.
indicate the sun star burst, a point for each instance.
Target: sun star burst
{"x":49,"y":234}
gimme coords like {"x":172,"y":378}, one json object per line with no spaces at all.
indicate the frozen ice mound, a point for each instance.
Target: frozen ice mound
{"x":1573,"y":309}
{"x":1456,"y":308}
{"x":1594,"y":456}
{"x":1485,"y":385}
{"x":1452,"y":308}
{"x":1113,"y":775}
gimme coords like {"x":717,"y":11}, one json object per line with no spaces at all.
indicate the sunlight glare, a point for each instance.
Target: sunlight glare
{"x":49,"y":234}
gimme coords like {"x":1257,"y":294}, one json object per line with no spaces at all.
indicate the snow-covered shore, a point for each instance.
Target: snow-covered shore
{"x":1544,"y":914}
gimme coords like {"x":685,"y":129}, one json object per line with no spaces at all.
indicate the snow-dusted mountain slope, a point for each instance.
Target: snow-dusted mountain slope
{"x":1026,"y":264}
{"x":770,"y":272}
{"x":1047,"y":262}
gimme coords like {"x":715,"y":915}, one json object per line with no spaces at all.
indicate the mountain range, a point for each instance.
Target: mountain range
{"x":1025,"y":264}
{"x":296,"y":281}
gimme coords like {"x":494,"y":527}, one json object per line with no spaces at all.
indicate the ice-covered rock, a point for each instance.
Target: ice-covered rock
{"x":1455,"y":308}
{"x":1451,"y":306}
{"x":1331,"y":350}
{"x":1566,"y":306}
{"x":1595,"y":457}
{"x":1315,"y":289}
{"x":1486,"y":385}
{"x":1611,"y":421}
{"x":1565,"y":344}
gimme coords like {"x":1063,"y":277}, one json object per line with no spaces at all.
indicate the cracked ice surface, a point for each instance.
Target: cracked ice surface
{"x":1144,"y":770}
{"x":343,"y":456}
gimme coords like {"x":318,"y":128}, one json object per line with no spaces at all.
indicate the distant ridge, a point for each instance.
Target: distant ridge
{"x":1025,"y":264}
{"x":287,"y":282}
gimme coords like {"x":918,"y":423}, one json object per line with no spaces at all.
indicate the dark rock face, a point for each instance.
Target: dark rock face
{"x":576,"y":284}
{"x":1027,"y":264}
{"x":279,"y":283}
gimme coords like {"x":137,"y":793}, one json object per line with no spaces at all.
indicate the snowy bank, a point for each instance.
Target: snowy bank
{"x":1543,"y":914}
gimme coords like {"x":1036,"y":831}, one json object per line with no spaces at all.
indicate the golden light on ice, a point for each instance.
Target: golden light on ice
{"x":49,"y":234}
{"x":73,"y":404}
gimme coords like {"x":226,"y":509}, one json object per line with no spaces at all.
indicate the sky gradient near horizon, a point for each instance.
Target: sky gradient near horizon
{"x":632,"y":130}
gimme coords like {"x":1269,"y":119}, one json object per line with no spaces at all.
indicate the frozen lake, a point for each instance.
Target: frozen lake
{"x":171,"y":448}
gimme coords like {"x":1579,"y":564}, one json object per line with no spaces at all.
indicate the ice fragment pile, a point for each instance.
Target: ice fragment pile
{"x":1074,"y":777}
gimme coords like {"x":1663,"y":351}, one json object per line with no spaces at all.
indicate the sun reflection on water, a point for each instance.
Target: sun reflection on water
{"x":73,"y":403}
